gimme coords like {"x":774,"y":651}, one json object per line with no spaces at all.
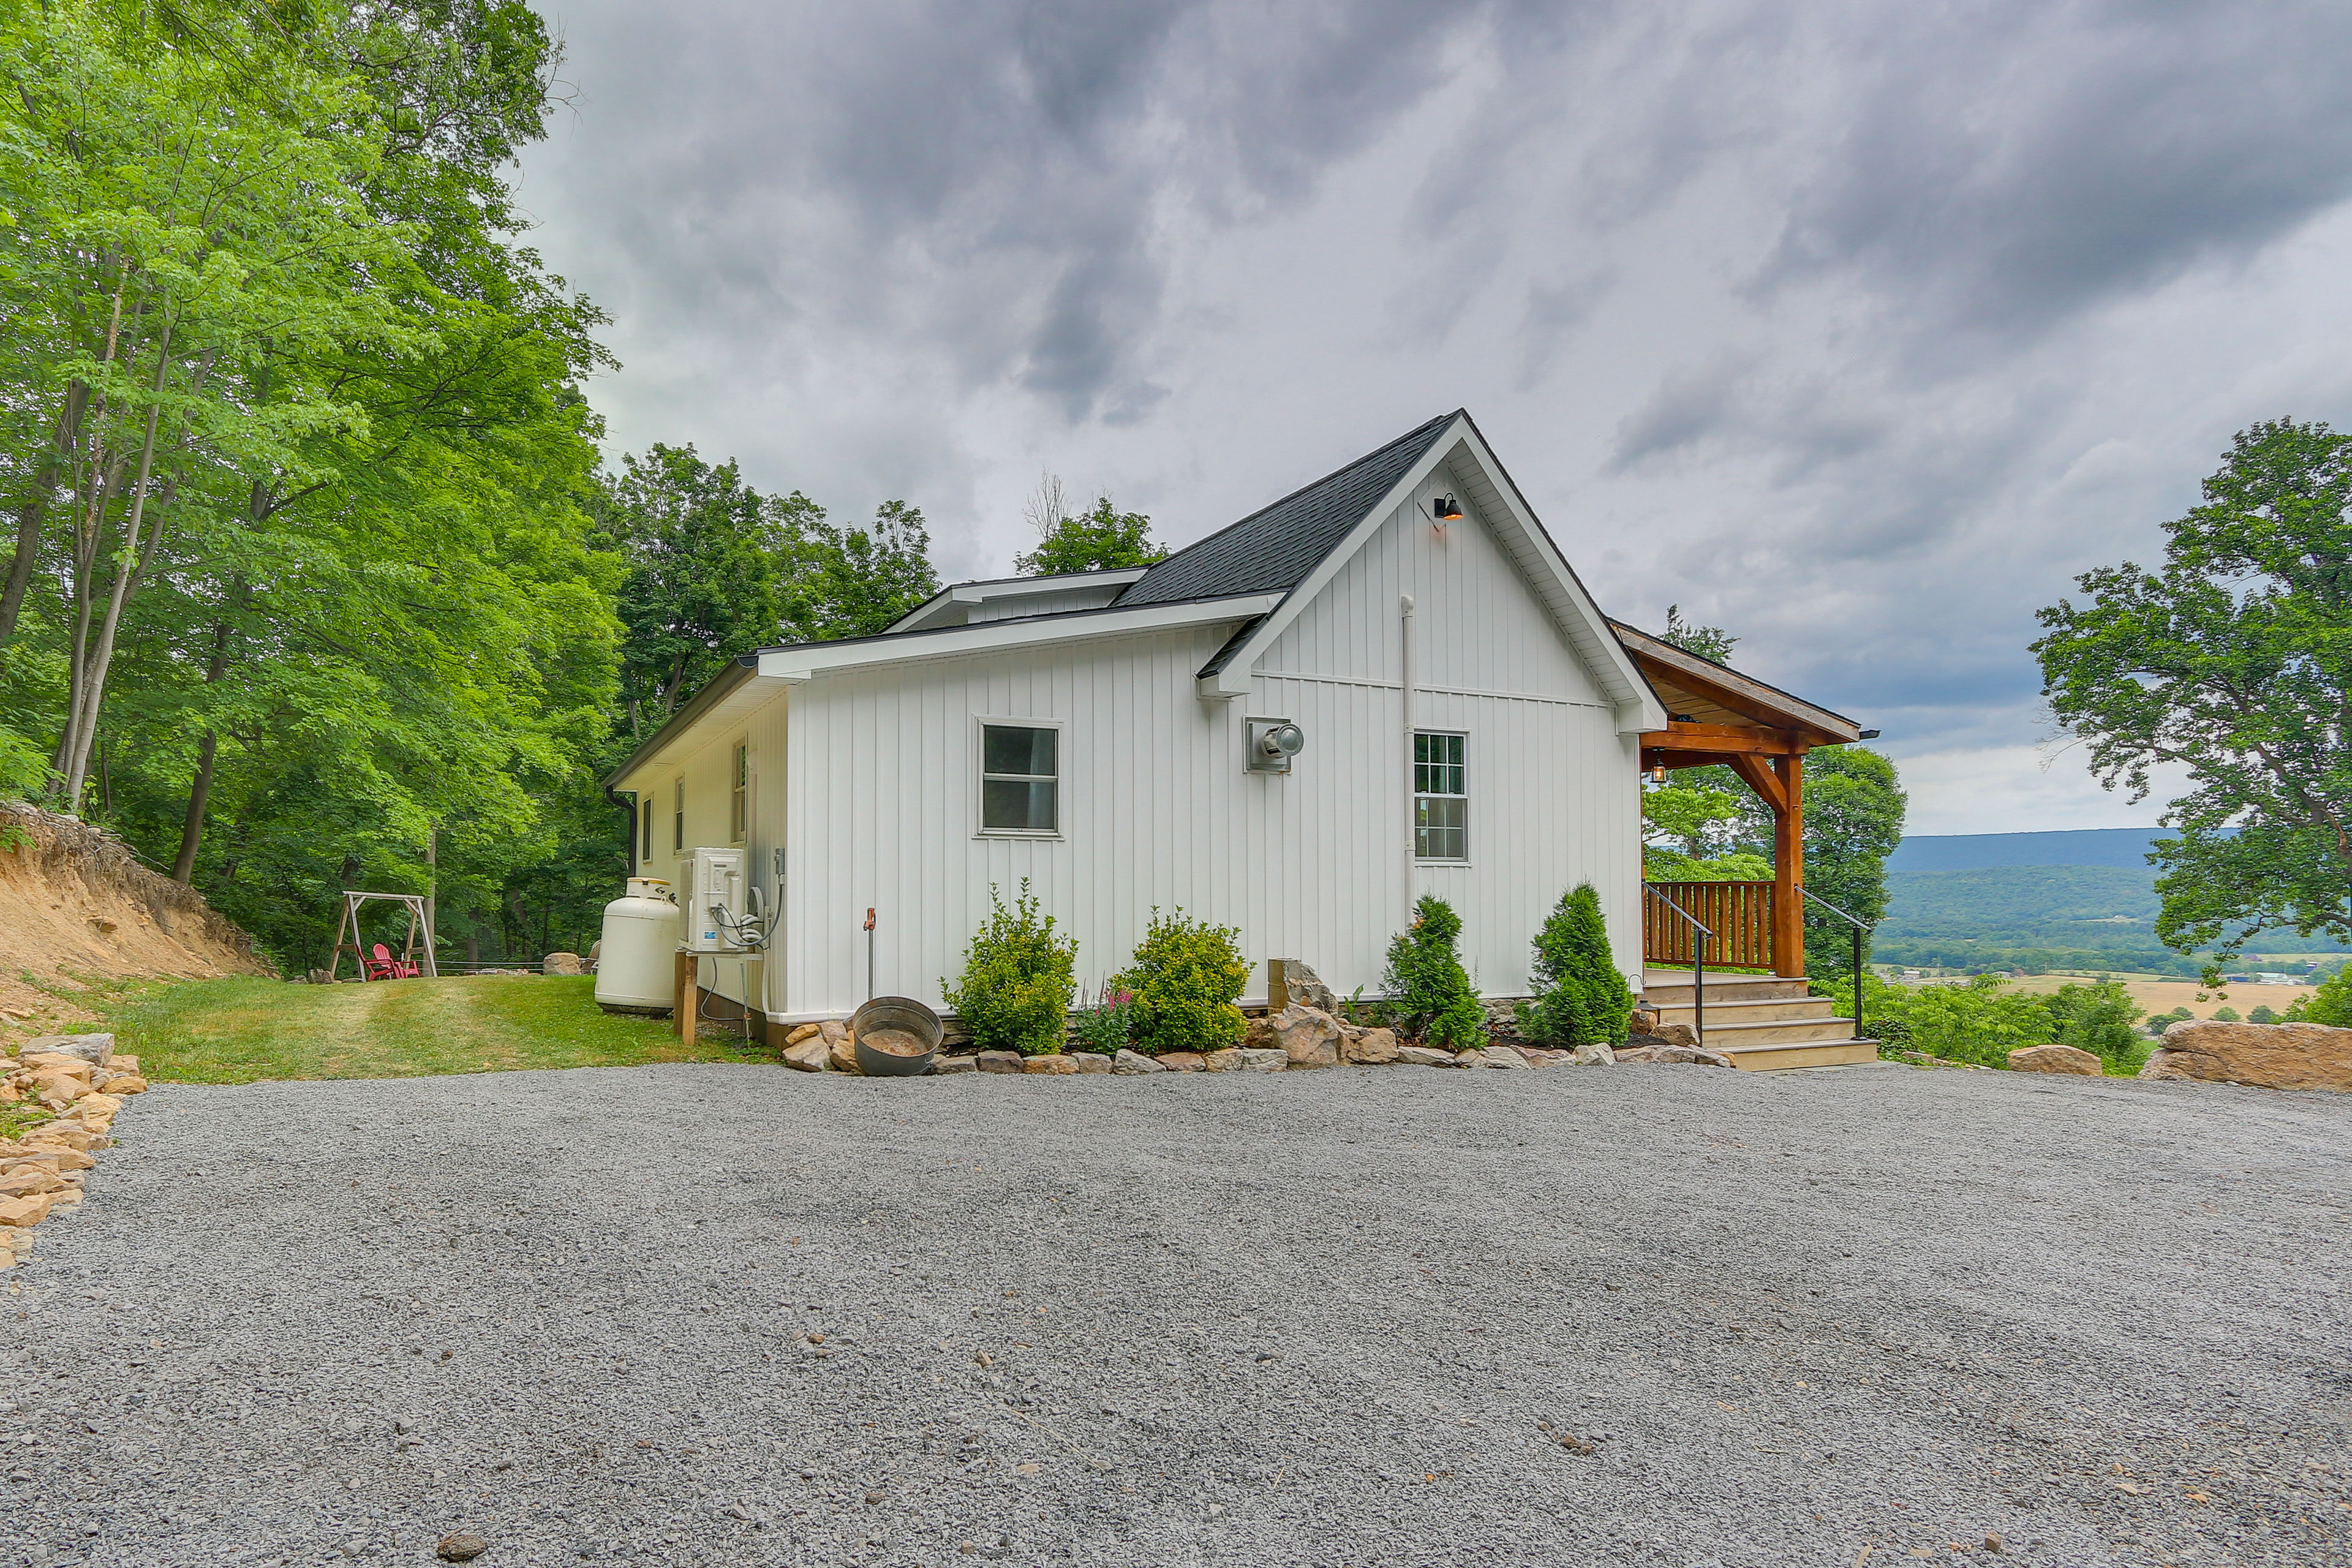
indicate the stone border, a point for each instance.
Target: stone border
{"x":1297,"y":1038}
{"x":83,"y":1081}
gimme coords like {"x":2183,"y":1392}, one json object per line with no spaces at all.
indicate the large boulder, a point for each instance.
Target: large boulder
{"x":1671,"y":1055}
{"x":2056,"y":1058}
{"x":1368,"y":1047}
{"x":92,"y":1048}
{"x":1307,"y":1036}
{"x":1302,"y":987}
{"x":2268,"y":1055}
{"x":561,"y":963}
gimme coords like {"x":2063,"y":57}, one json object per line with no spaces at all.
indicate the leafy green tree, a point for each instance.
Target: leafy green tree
{"x":1100,"y":539}
{"x":1430,"y":996}
{"x":1854,"y":807}
{"x":706,"y":556}
{"x":1581,"y":996}
{"x":2331,"y":1002}
{"x":2101,"y":1018}
{"x":855,"y":581}
{"x":2233,"y":660}
{"x":1712,"y":643}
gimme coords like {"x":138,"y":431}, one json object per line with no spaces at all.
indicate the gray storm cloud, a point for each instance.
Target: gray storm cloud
{"x":1857,"y":328}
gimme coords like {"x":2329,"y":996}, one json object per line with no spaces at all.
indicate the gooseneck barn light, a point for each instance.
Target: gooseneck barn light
{"x":1446,"y":509}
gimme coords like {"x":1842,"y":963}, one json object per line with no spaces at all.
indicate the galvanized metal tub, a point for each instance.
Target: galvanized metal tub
{"x":906,"y":1036}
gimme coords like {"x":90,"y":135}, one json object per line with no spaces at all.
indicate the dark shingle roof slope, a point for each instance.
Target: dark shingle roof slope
{"x":1272,"y":551}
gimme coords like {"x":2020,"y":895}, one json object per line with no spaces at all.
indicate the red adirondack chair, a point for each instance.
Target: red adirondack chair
{"x":384,"y":966}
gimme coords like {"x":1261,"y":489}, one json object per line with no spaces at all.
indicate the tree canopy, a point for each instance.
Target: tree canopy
{"x":2232,"y":660}
{"x":1099,"y":539}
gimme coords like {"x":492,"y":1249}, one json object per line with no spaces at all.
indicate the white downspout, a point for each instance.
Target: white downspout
{"x":1405,"y":660}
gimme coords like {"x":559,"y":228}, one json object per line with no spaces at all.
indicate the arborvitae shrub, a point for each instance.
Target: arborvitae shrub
{"x":1014,"y":990}
{"x":1430,"y":996}
{"x":1580,"y":997}
{"x":1185,"y":977}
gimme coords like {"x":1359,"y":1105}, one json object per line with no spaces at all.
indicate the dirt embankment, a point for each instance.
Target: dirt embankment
{"x":76,"y":905}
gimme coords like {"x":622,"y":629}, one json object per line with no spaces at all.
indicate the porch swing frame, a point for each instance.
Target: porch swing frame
{"x":419,"y":923}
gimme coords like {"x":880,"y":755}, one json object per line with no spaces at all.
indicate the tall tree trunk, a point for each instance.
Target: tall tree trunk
{"x":35,"y":511}
{"x":192,"y":827}
{"x":83,"y":726}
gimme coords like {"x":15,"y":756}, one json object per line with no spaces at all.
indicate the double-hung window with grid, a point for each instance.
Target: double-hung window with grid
{"x":738,"y":815}
{"x":1441,"y":798}
{"x":1020,"y":779}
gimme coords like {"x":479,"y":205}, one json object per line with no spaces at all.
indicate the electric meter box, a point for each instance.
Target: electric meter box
{"x":713,"y":882}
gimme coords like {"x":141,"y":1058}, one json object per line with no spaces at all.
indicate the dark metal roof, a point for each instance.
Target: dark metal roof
{"x":1272,"y":551}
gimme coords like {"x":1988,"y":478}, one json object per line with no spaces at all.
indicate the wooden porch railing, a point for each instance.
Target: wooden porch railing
{"x":1739,"y":913}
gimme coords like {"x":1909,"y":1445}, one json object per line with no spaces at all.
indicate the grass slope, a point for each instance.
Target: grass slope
{"x":248,"y":1030}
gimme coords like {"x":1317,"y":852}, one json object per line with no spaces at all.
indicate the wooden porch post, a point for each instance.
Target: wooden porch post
{"x":1788,"y":870}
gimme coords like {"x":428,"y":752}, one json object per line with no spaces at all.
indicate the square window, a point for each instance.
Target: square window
{"x":1020,"y":779}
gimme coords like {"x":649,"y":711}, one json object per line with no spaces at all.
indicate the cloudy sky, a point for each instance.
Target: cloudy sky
{"x":1856,"y":329}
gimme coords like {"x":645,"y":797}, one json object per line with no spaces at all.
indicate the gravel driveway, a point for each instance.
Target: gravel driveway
{"x":1335,"y":1318}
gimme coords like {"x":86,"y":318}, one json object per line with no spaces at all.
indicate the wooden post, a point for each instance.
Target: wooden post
{"x":1788,"y":870}
{"x":688,"y":1003}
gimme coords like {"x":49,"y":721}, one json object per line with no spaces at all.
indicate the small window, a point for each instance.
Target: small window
{"x":1020,"y":779}
{"x":1441,"y":802}
{"x":646,"y":811}
{"x":677,"y":818}
{"x":738,"y":813}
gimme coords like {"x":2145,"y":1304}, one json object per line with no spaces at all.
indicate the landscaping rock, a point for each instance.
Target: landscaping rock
{"x":1500,"y":1057}
{"x":1595,"y":1054}
{"x":954,"y":1064}
{"x":1053,"y":1066}
{"x":840,"y":1055}
{"x":1259,"y":1059}
{"x":1134,"y":1063}
{"x":2268,"y":1055}
{"x":1000,"y":1061}
{"x":1306,"y":1035}
{"x":801,"y":1032}
{"x":561,"y":963}
{"x":1369,"y":1047}
{"x":1227,"y":1060}
{"x":1423,"y":1057}
{"x":2056,"y":1058}
{"x":807,"y":1054}
{"x":1091,"y":1061}
{"x":1302,"y":987}
{"x":29,"y":1210}
{"x":93,"y":1049}
{"x":1676,"y":1034}
{"x":1671,"y":1055}
{"x":461,"y":1548}
{"x":1183,"y":1062}
{"x":1643,"y":1020}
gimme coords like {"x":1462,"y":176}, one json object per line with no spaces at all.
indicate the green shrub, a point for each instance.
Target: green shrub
{"x":2226,"y":1016}
{"x":1186,"y":976}
{"x":1580,"y":997}
{"x":2332,"y":1003}
{"x":2100,"y":1019}
{"x":1015,"y":992}
{"x":1430,"y":995}
{"x":1109,"y":1025}
{"x":2262,"y":1014}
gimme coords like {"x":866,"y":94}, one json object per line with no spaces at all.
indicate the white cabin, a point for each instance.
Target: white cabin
{"x":1473,"y":728}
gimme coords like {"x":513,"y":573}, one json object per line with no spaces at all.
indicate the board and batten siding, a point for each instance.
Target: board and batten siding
{"x":1555,"y":794}
{"x":881,"y":805}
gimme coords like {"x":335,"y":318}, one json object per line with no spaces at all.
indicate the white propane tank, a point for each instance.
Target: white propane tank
{"x":637,"y":967}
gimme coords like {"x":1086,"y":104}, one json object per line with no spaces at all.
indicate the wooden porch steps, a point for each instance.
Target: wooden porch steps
{"x":1761,"y":1022}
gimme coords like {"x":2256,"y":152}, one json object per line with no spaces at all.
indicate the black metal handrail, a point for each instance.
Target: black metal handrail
{"x":1861,"y":928}
{"x":1698,"y":963}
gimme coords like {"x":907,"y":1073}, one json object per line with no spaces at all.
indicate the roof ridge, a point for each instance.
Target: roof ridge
{"x":1139,"y":590}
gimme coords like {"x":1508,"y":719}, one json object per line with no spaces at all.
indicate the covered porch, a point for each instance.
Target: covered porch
{"x":1765,"y":1017}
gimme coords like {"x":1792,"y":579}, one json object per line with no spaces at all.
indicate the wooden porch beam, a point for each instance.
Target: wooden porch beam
{"x":1722,"y":739}
{"x":1789,"y":869}
{"x":1757,"y":776}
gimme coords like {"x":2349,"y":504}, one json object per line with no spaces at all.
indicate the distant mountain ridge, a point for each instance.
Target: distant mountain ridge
{"x":2123,"y":848}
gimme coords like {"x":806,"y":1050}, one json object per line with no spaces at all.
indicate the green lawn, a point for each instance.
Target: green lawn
{"x":244,"y":1030}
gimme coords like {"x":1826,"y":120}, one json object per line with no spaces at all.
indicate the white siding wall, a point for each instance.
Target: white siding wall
{"x":1157,"y":808}
{"x":1555,"y":798}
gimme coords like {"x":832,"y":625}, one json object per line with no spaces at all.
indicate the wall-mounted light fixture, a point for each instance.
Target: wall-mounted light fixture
{"x":1868,"y":735}
{"x":1445,"y":509}
{"x":1272,"y":742}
